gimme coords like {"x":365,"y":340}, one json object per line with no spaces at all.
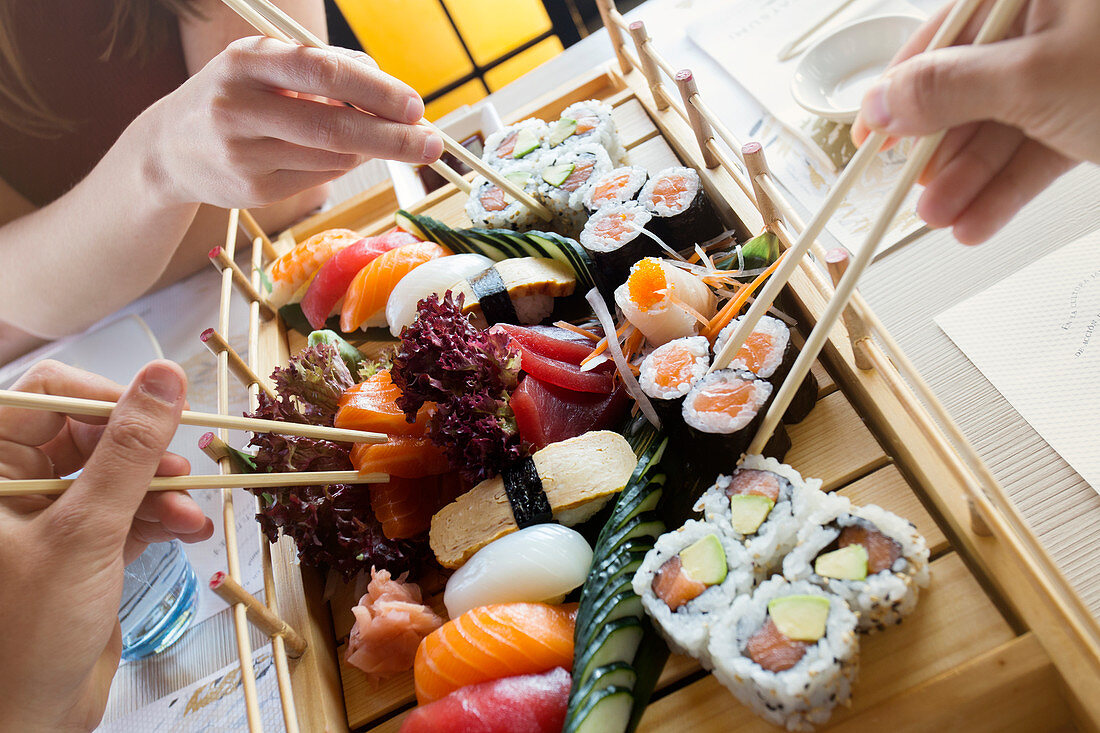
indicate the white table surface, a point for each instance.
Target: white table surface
{"x":907,"y":287}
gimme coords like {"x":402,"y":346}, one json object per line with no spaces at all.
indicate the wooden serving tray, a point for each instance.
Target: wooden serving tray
{"x":987,"y":648}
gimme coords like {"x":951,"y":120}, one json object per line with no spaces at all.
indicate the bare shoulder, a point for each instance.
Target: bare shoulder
{"x":214,"y":26}
{"x":12,"y":204}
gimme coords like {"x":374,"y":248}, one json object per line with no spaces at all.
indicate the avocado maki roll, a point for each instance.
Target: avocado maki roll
{"x":524,"y":140}
{"x":490,"y":207}
{"x":589,"y":121}
{"x":566,"y":177}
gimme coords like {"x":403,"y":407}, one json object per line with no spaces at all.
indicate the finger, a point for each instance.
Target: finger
{"x":19,"y":461}
{"x":137,"y":541}
{"x":954,"y":141}
{"x":35,"y":427}
{"x":336,"y":75}
{"x":1032,"y":169}
{"x":281,"y":155}
{"x":278,"y":186}
{"x":174,"y":510}
{"x":968,"y":173}
{"x":105,"y":496}
{"x":947,"y":88}
{"x":70,"y":449}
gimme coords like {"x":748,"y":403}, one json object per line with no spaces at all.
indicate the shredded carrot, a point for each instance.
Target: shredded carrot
{"x":633,"y":343}
{"x":688,"y":309}
{"x":577,"y":330}
{"x":733,"y":307}
{"x":602,"y":345}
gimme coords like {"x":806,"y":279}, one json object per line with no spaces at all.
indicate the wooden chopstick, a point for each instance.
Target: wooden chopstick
{"x":21,"y":487}
{"x":792,"y":49}
{"x":274,"y":16}
{"x":100,"y":408}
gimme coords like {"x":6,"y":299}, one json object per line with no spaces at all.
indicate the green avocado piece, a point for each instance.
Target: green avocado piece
{"x":563,"y":128}
{"x":801,"y":618}
{"x":519,"y":178}
{"x":705,"y":561}
{"x":748,"y":512}
{"x":555,"y":175}
{"x":847,"y":563}
{"x":526,"y":141}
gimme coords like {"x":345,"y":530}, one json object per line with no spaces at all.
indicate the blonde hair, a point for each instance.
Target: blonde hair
{"x":134,"y":30}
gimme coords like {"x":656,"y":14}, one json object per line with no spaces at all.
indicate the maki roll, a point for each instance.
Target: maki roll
{"x":490,"y":207}
{"x":769,"y":353}
{"x":789,"y":652}
{"x":567,"y":175}
{"x":587,"y":122}
{"x":663,"y":301}
{"x":524,"y":140}
{"x":872,"y":558}
{"x":682,"y":213}
{"x":761,"y":504}
{"x":616,"y":237}
{"x":615,"y":187}
{"x":668,"y":372}
{"x":690,"y":575}
{"x":519,"y":290}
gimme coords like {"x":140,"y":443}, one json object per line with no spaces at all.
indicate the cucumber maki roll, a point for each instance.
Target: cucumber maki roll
{"x":490,"y":207}
{"x":617,"y":186}
{"x":872,"y":558}
{"x":524,"y":140}
{"x":668,"y":372}
{"x":617,"y":237}
{"x":683,"y":216}
{"x":589,"y":121}
{"x":566,"y":177}
{"x":690,"y":575}
{"x":790,"y":652}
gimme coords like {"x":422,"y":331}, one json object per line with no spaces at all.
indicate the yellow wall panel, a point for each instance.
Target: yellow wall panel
{"x":468,"y":93}
{"x":521,"y":63}
{"x":492,"y":28}
{"x":410,"y":39}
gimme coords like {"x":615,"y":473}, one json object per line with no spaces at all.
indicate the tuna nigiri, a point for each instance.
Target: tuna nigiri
{"x":372,"y":405}
{"x":530,"y":703}
{"x":405,"y":506}
{"x":325,"y":294}
{"x":294,"y":269}
{"x":365,"y":302}
{"x":402,"y":455}
{"x":490,"y":642}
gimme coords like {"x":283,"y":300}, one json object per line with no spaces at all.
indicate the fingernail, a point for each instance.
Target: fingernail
{"x":161,"y":383}
{"x":414,"y":110}
{"x":876,"y":107}
{"x":433,"y":147}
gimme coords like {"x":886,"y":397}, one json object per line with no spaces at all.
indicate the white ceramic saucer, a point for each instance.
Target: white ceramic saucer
{"x":835,"y":72}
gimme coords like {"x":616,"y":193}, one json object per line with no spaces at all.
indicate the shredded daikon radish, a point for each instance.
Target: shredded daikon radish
{"x":660,"y":242}
{"x":621,"y":365}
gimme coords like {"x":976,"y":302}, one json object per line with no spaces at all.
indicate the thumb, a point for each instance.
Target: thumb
{"x":946,"y":88}
{"x":114,"y":481}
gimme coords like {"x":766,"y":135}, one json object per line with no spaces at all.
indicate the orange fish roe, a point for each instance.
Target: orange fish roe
{"x":725,"y":397}
{"x":755,"y":350}
{"x":673,"y":367}
{"x":492,"y":199}
{"x":647,"y":283}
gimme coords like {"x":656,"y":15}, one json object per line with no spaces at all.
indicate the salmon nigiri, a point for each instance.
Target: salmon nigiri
{"x":372,"y":405}
{"x":295,"y":268}
{"x":490,"y":642}
{"x":402,"y":455}
{"x":405,"y":506}
{"x":365,"y":301}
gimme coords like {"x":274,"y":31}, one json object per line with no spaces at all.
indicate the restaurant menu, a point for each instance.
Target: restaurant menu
{"x":1049,"y":310}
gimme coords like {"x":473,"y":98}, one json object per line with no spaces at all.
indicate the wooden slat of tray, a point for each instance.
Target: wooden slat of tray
{"x":833,"y":444}
{"x":953,"y":623}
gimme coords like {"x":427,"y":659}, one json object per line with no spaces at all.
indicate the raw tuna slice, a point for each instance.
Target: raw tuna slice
{"x":530,"y":703}
{"x":550,"y":341}
{"x":547,"y":414}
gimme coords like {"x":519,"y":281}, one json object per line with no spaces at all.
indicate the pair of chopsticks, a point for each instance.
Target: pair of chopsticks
{"x":796,"y":46}
{"x":100,"y":408}
{"x":270,"y":20}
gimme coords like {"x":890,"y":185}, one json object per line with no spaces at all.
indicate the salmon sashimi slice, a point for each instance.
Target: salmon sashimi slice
{"x":405,"y":506}
{"x":371,"y":288}
{"x":403,"y":456}
{"x":773,"y":651}
{"x":751,"y":481}
{"x":726,"y":397}
{"x":647,"y":284}
{"x":580,"y":174}
{"x":491,"y":642}
{"x":372,"y":405}
{"x":674,"y":367}
{"x":507,"y":145}
{"x":882,"y":552}
{"x":755,"y":351}
{"x":295,"y":268}
{"x":674,"y":587}
{"x":492,"y":199}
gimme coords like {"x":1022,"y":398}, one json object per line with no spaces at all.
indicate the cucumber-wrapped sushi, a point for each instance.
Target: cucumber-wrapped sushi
{"x":589,"y":121}
{"x":872,"y":558}
{"x":761,"y":504}
{"x":789,"y":652}
{"x":616,"y":237}
{"x":769,"y":353}
{"x":683,"y":215}
{"x":524,"y":140}
{"x":566,"y":176}
{"x":491,"y":207}
{"x":690,"y":576}
{"x":617,"y":186}
{"x":668,"y":372}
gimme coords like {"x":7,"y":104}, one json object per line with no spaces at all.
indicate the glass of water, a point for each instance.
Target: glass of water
{"x":159,"y":596}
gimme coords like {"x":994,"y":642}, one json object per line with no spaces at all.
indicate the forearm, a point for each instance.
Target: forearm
{"x":96,"y":248}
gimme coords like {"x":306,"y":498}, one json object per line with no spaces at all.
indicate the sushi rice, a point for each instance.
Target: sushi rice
{"x":490,"y":207}
{"x":726,"y":423}
{"x":883,"y":598}
{"x":669,"y":386}
{"x":504,"y":138}
{"x":688,"y":628}
{"x":804,"y":695}
{"x":770,"y":331}
{"x":566,"y":201}
{"x":602,"y":130}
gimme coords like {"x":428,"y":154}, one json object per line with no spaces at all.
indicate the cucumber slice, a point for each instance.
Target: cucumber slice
{"x":626,"y":604}
{"x":526,"y":141}
{"x":610,"y":593}
{"x":606,"y":710}
{"x":614,"y":565}
{"x":645,"y":524}
{"x":406,"y":221}
{"x":615,"y":642}
{"x":555,"y":175}
{"x":618,"y":674}
{"x":563,"y":129}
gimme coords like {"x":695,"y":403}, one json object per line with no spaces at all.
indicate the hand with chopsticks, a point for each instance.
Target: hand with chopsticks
{"x":1021,"y":112}
{"x":61,"y":561}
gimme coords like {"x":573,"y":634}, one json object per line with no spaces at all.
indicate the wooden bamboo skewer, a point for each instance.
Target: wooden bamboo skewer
{"x":615,"y":34}
{"x":221,"y":260}
{"x":244,"y":374}
{"x":54,"y":486}
{"x":958,"y":17}
{"x":302,"y":35}
{"x":229,"y":521}
{"x":252,"y":228}
{"x":260,"y":615}
{"x":649,"y":65}
{"x":836,"y":260}
{"x":752,"y":153}
{"x":685,"y":82}
{"x":103,"y":408}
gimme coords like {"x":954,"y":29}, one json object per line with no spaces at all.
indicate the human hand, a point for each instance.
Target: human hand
{"x":1020,"y":112}
{"x":255,"y":125}
{"x":61,"y":562}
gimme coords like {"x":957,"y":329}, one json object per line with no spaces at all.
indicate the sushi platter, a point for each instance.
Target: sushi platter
{"x":595,"y":557}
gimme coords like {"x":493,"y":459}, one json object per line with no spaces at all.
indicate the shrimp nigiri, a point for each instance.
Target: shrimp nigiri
{"x":295,"y":268}
{"x":365,"y":301}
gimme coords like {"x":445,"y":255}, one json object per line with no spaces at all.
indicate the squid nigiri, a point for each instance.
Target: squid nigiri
{"x":431,"y":278}
{"x":295,"y":268}
{"x":365,"y":302}
{"x":664,"y":301}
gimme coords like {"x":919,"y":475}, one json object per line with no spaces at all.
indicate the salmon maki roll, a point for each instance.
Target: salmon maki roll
{"x":616,"y":237}
{"x":292,"y":271}
{"x":365,"y":302}
{"x":682,"y":213}
{"x":668,"y":373}
{"x":615,"y":187}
